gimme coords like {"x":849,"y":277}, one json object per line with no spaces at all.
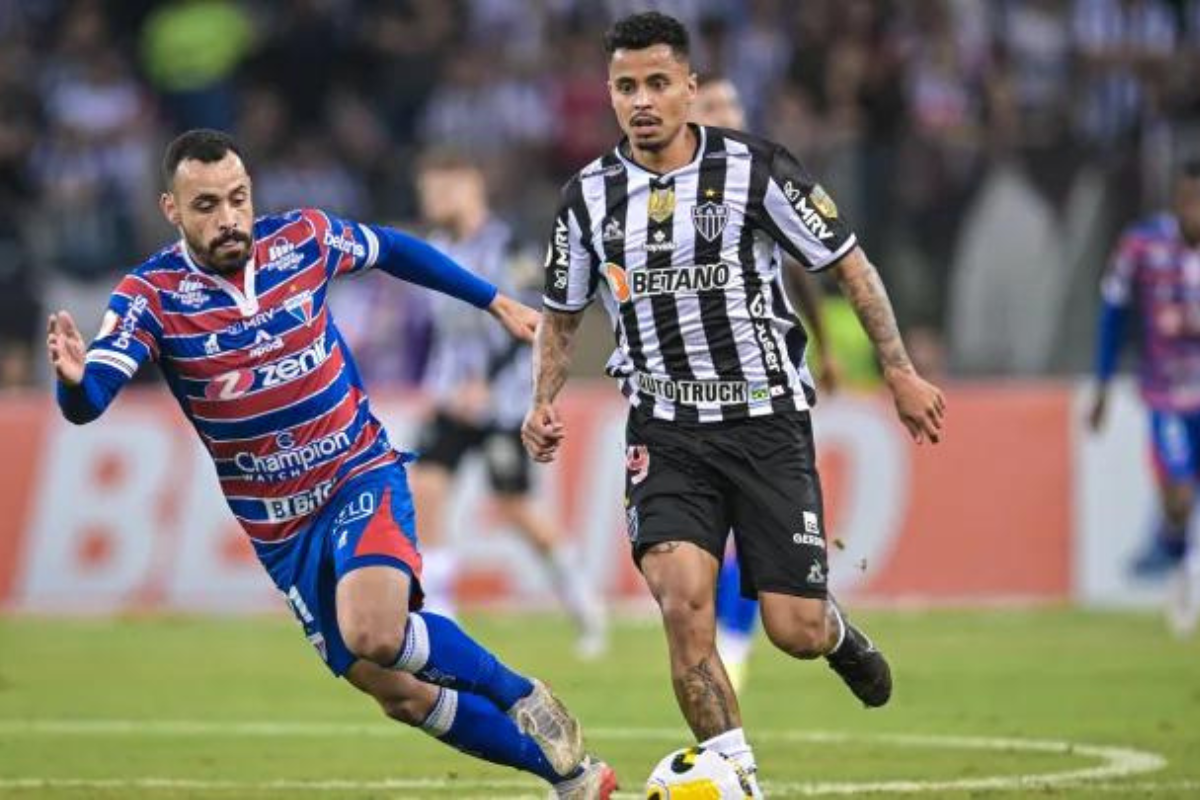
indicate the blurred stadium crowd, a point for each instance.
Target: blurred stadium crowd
{"x":910,"y":112}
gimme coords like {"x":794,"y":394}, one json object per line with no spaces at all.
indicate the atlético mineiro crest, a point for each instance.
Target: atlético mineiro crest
{"x":300,"y":306}
{"x":709,"y":219}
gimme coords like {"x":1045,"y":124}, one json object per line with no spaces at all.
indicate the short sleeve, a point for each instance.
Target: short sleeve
{"x":801,"y":216}
{"x":569,"y":284}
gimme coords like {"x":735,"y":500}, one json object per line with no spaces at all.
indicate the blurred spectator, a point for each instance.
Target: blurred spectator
{"x":917,"y":114}
{"x":190,"y":51}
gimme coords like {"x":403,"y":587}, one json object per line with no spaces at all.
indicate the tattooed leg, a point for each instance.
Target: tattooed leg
{"x":682,"y":577}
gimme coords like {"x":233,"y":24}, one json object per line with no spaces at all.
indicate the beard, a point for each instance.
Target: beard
{"x":214,"y":257}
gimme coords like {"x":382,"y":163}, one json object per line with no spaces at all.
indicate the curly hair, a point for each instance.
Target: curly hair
{"x":639,"y":31}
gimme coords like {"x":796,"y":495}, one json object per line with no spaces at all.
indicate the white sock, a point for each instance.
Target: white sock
{"x":584,"y":609}
{"x":732,"y":744}
{"x":441,"y":716}
{"x":438,"y":572}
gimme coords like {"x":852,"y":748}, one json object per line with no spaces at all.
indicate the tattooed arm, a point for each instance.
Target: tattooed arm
{"x":543,"y":431}
{"x":919,"y":404}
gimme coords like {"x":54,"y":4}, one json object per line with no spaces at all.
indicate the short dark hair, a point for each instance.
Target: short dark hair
{"x":639,"y":31}
{"x":201,"y":144}
{"x":1190,"y":168}
{"x":446,"y":158}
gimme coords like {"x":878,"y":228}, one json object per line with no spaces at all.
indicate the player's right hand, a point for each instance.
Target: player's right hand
{"x":66,"y":348}
{"x":542,"y":432}
{"x":1098,"y":410}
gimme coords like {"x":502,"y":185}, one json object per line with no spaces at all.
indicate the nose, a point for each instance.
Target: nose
{"x":226,"y":217}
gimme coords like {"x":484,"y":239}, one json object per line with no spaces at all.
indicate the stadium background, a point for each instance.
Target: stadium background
{"x":987,"y":153}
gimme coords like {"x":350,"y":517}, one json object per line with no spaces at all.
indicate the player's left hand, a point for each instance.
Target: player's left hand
{"x":919,"y":403}
{"x":542,"y":432}
{"x":518,"y":319}
{"x":830,"y":379}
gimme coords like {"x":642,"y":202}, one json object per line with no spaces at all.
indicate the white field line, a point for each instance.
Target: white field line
{"x":1115,"y":762}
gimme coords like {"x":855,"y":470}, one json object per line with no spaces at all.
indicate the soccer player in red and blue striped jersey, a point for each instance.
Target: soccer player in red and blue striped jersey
{"x":1154,"y":277}
{"x":236,"y":316}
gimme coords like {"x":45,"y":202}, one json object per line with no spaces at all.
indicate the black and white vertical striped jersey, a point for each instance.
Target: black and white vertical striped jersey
{"x":472,"y":347}
{"x":688,"y":266}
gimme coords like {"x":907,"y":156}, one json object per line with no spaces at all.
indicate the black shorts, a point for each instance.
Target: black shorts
{"x":757,"y":477}
{"x":444,"y":441}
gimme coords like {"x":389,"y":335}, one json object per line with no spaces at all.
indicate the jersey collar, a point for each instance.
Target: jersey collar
{"x":246,"y":297}
{"x":701,"y":146}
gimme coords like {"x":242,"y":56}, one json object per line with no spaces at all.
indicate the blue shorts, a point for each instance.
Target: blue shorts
{"x":369,"y":521}
{"x":1175,"y":445}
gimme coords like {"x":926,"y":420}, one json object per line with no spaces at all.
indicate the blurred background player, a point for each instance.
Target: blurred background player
{"x":718,"y":104}
{"x":1154,"y":276}
{"x":480,"y":386}
{"x":235,"y":315}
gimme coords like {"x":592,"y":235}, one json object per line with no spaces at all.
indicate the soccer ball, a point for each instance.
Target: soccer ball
{"x":696,"y":773}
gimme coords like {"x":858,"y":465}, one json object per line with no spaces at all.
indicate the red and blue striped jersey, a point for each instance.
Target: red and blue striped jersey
{"x":259,"y":368}
{"x":1157,"y":273}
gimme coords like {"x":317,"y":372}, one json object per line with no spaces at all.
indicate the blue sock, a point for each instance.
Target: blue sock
{"x":437,"y":651}
{"x":475,"y":726}
{"x":734,"y":612}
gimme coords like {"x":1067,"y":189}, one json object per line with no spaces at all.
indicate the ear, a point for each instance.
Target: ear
{"x":166,"y":203}
{"x":693,"y":85}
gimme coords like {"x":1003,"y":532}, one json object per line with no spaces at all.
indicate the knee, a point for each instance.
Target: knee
{"x":803,"y":636}
{"x":375,"y":643}
{"x":688,"y":618}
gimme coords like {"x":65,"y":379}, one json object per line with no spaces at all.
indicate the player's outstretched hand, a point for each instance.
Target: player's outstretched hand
{"x":518,"y":319}
{"x":542,"y":432}
{"x":66,"y":348}
{"x":919,"y":403}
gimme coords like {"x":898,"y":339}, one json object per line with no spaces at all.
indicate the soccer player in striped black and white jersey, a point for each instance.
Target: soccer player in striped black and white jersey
{"x":235,"y":314}
{"x":479,"y":381}
{"x":678,"y":230}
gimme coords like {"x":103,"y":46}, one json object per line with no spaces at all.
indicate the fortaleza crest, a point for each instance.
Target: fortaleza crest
{"x":662,"y":204}
{"x":709,"y":219}
{"x":300,"y":305}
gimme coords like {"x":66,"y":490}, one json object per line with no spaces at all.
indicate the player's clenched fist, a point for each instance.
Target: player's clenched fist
{"x":66,"y":348}
{"x":542,"y":432}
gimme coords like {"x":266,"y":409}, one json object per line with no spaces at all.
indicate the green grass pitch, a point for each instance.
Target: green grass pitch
{"x":1005,"y":703}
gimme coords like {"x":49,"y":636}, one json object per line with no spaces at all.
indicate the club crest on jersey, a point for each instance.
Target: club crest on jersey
{"x":637,"y":462}
{"x":709,"y":219}
{"x":618,"y":282}
{"x":661,"y":204}
{"x":300,"y":306}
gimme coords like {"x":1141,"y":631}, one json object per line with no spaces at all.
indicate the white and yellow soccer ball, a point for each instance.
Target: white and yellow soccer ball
{"x":697,"y":773}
